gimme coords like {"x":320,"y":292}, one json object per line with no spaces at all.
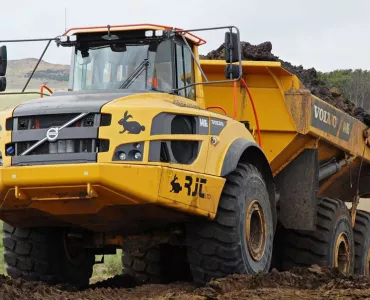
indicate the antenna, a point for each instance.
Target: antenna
{"x":65,"y":19}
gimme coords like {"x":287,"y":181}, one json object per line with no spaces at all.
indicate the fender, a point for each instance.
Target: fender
{"x":242,"y":150}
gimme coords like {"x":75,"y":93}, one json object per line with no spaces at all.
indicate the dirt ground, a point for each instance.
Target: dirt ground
{"x":308,"y":283}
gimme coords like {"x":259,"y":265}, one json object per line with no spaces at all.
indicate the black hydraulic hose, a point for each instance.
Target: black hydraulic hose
{"x":331,"y":169}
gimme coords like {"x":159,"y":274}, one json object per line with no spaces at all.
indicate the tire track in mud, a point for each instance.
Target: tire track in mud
{"x":309,"y":283}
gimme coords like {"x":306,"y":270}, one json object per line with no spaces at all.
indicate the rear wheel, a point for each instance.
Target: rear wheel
{"x":240,"y":238}
{"x":43,"y":254}
{"x":331,"y":244}
{"x":362,"y":243}
{"x":160,"y":264}
{"x":144,"y":267}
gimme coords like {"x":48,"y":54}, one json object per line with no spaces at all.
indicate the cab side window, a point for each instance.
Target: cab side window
{"x":184,"y":71}
{"x":163,"y":67}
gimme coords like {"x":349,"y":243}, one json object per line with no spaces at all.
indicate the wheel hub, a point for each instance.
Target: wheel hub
{"x":342,"y":253}
{"x":255,"y":230}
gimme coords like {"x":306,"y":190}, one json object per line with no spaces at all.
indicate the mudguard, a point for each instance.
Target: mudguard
{"x":242,"y":150}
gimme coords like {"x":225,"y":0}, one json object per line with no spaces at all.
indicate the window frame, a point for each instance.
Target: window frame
{"x":179,"y":41}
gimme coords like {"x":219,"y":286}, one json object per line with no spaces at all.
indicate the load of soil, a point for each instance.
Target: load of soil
{"x":308,"y":283}
{"x":308,"y":77}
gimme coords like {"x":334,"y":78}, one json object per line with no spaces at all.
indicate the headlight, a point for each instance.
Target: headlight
{"x":129,"y":152}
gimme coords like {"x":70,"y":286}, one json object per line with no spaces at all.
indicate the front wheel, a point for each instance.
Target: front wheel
{"x":45,"y":254}
{"x":240,"y":238}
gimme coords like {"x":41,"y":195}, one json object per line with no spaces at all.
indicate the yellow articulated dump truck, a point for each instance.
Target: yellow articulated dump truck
{"x":196,"y":169}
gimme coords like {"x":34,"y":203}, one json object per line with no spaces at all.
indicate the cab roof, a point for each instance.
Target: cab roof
{"x":77,"y":30}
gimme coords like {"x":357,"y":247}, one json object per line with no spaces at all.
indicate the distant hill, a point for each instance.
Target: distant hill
{"x":54,"y":75}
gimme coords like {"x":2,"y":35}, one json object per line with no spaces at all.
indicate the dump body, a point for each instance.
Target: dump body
{"x":291,"y":120}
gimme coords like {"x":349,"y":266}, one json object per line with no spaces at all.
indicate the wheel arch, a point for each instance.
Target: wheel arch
{"x":242,"y":150}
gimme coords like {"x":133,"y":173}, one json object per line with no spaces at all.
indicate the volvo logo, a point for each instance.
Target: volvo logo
{"x":52,"y":134}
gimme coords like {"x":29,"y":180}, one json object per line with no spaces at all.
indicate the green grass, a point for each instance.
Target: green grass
{"x":9,"y":101}
{"x":112,"y":266}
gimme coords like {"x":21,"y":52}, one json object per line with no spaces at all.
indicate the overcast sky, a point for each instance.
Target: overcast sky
{"x":325,"y":34}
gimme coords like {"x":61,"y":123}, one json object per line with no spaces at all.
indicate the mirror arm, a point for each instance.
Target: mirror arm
{"x":195,"y":59}
{"x":34,"y":69}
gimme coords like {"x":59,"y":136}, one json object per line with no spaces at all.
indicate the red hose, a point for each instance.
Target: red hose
{"x":218,"y":107}
{"x":235,"y":104}
{"x":235,"y":108}
{"x":254,"y":112}
{"x":42,"y":90}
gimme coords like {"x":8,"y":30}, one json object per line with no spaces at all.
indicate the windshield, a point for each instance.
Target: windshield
{"x":134,"y":66}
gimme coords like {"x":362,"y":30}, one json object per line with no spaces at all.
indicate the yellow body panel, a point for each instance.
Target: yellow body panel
{"x":110,"y":195}
{"x":76,"y":193}
{"x":5,"y":136}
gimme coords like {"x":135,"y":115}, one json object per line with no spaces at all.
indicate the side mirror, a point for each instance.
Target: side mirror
{"x":231,"y":47}
{"x":232,"y":71}
{"x":3,"y":60}
{"x":2,"y":84}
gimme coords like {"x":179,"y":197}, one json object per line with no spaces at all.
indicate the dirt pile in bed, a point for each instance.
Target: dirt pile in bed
{"x":308,"y":77}
{"x":310,"y":283}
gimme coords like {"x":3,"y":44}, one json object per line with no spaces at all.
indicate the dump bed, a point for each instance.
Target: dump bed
{"x":291,"y":119}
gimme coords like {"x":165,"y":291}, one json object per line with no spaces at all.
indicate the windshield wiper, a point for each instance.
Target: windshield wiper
{"x":137,"y":72}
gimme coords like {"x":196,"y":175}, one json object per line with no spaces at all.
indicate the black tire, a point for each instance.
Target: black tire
{"x":143,"y":267}
{"x":220,"y":247}
{"x":333,"y":228}
{"x":361,"y":232}
{"x":160,"y":264}
{"x":38,"y":254}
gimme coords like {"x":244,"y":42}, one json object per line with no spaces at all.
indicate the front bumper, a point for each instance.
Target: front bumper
{"x":102,"y":197}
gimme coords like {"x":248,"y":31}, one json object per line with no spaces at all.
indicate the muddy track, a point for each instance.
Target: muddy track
{"x":309,"y":283}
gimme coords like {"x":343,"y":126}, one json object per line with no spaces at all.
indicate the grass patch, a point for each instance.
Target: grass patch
{"x":10,"y":101}
{"x":112,"y":266}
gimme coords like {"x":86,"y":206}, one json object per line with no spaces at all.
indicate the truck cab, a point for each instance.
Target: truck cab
{"x":127,"y":158}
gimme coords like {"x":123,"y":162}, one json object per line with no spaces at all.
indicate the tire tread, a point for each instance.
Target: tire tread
{"x":305,"y":248}
{"x":31,"y":254}
{"x":214,"y":248}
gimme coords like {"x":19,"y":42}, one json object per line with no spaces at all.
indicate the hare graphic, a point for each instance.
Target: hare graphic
{"x":176,"y":187}
{"x":131,"y":127}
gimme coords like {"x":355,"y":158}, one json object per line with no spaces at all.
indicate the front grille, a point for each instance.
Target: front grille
{"x":76,"y":143}
{"x":63,"y":146}
{"x":47,"y":121}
